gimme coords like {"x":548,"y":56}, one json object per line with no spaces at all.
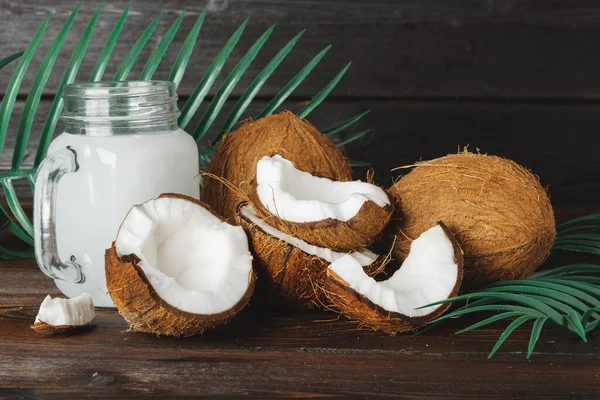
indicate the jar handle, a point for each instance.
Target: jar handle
{"x":49,"y":173}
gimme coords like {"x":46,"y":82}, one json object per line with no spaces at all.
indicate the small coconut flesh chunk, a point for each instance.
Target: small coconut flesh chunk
{"x":429,"y":274}
{"x":362,"y":257}
{"x":298,"y":196}
{"x":77,"y":311}
{"x":194,"y":261}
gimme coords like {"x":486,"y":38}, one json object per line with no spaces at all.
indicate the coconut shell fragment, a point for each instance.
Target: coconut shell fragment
{"x":500,"y":213}
{"x":138,"y":303}
{"x":65,"y":316}
{"x":357,"y":307}
{"x":360,"y":231}
{"x":341,"y":216}
{"x":44,"y":328}
{"x":392,"y":306}
{"x":236,"y":156}
{"x":291,"y":268}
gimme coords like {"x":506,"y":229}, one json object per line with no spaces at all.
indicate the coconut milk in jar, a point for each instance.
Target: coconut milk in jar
{"x":121,"y":147}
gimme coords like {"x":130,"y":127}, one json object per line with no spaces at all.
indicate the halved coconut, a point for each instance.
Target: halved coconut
{"x":432,"y":272}
{"x":295,"y":269}
{"x":337,"y":215}
{"x":64,"y":315}
{"x":177,"y":269}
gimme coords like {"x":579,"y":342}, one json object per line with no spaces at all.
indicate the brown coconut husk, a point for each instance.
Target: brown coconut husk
{"x":285,"y":134}
{"x":297,"y":277}
{"x":359,"y":308}
{"x":45,"y":328}
{"x":144,"y":310}
{"x":360,"y":231}
{"x":500,"y":213}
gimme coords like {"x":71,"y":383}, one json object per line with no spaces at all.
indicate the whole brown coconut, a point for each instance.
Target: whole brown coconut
{"x":499,"y":212}
{"x":236,"y":156}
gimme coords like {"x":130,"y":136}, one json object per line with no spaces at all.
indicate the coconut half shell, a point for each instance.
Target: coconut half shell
{"x":293,"y":268}
{"x":500,"y":213}
{"x":432,"y":272}
{"x":176,"y":269}
{"x":64,"y":316}
{"x":236,"y":156}
{"x":341,"y":216}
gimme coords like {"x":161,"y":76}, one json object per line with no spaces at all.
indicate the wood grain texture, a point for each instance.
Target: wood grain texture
{"x":408,"y":49}
{"x":559,"y":142}
{"x":272,"y":353}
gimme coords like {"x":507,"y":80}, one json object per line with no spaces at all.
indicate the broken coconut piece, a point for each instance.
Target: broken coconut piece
{"x":177,"y":269}
{"x":60,"y":315}
{"x":431,"y":272}
{"x":295,"y":269}
{"x":235,"y":158}
{"x":337,"y":215}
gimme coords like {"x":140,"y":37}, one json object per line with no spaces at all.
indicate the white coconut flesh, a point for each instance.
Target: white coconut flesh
{"x":428,"y":274}
{"x":194,"y":261}
{"x":297,"y":196}
{"x":362,"y":257}
{"x":77,"y":311}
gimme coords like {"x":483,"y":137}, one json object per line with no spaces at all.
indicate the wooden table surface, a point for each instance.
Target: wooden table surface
{"x":269,"y":353}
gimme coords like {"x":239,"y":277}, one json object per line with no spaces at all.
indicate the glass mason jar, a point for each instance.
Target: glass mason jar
{"x":121,"y":147}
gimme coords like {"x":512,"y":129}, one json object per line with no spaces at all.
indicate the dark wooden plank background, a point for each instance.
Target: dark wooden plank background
{"x":515,"y":78}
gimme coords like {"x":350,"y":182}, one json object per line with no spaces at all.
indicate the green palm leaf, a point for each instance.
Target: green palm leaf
{"x":292,"y":84}
{"x":573,"y":269}
{"x":490,"y":320}
{"x":579,"y":283}
{"x":109,"y":46}
{"x":160,"y":50}
{"x":201,"y":90}
{"x":489,"y":307}
{"x":557,"y":285}
{"x":536,"y":330}
{"x":39,"y":83}
{"x":7,"y":60}
{"x":183,"y":57}
{"x":581,"y":235}
{"x":68,"y":77}
{"x":255,"y":86}
{"x":576,"y":221}
{"x":135,"y":51}
{"x":238,"y":71}
{"x":345,"y":124}
{"x":544,"y":292}
{"x":353,"y":137}
{"x":314,"y":103}
{"x":513,"y":325}
{"x":568,"y":296}
{"x":8,"y":102}
{"x":15,"y":206}
{"x":16,"y":229}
